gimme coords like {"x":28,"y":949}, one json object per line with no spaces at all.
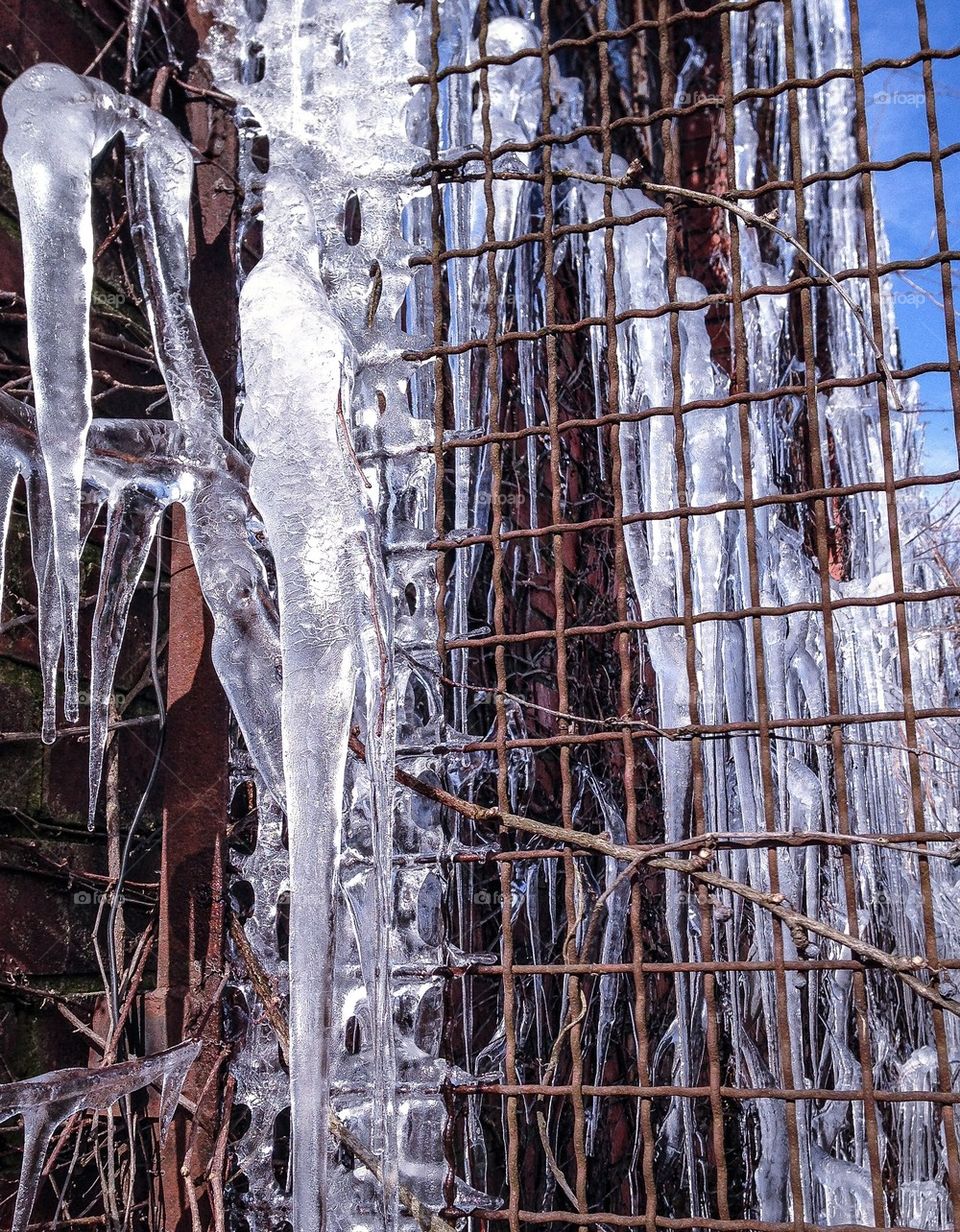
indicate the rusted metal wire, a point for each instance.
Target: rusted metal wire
{"x":543,"y":630}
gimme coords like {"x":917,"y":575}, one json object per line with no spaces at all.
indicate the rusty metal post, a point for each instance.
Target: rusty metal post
{"x":191,"y":958}
{"x":190,"y":955}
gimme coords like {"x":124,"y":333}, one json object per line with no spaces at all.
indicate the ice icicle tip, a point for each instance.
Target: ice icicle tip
{"x":46,"y":1101}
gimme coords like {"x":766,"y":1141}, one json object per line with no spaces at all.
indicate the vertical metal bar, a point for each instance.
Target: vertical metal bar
{"x":672,"y":175}
{"x":763,"y":713}
{"x":190,"y":952}
{"x":640,"y":1009}
{"x":896,"y":560}
{"x":190,"y":943}
{"x":503,"y":756}
{"x":575,"y":1005}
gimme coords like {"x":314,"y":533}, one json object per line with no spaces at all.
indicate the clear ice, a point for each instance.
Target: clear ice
{"x":339,"y":428}
{"x":335,"y":621}
{"x":345,"y":490}
{"x":45,"y":1102}
{"x":137,"y":469}
{"x":58,"y":124}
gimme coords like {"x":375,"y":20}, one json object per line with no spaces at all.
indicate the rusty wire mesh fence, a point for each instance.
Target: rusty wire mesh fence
{"x":649,"y":1044}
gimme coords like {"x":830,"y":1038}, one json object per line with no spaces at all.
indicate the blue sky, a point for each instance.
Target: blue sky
{"x":896,"y":118}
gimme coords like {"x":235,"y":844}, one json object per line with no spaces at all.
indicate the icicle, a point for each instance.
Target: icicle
{"x":49,"y":625}
{"x":693,"y":63}
{"x":54,"y":132}
{"x":133,"y":518}
{"x":246,"y":640}
{"x":9,"y":473}
{"x":333,"y":98}
{"x":136,"y":21}
{"x":454,"y":119}
{"x":614,"y":934}
{"x":512,"y":107}
{"x":159,"y":179}
{"x":513,"y":115}
{"x":582,"y":202}
{"x":44,"y":1103}
{"x":58,"y":123}
{"x":335,"y":621}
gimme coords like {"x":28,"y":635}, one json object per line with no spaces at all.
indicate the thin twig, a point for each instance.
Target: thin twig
{"x":768,"y":221}
{"x":617,"y":722}
{"x":218,"y":1157}
{"x":554,"y":1166}
{"x":95,"y":62}
{"x":15,"y":737}
{"x":776,"y":904}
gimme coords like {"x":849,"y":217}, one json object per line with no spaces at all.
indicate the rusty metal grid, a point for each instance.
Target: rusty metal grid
{"x":554,"y":634}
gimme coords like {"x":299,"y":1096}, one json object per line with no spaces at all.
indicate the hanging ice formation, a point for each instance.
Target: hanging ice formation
{"x":329,"y":630}
{"x":512,"y":115}
{"x":334,"y":621}
{"x":812,"y":785}
{"x":870,"y":785}
{"x":58,"y":124}
{"x":326,"y":87}
{"x":343,"y":479}
{"x":44,"y":1103}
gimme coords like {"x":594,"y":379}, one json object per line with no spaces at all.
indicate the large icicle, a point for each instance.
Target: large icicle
{"x":332,"y":96}
{"x":50,"y":144}
{"x":58,"y":124}
{"x":334,"y":622}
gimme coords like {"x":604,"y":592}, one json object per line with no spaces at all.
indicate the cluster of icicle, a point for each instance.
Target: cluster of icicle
{"x":46,"y":1102}
{"x":835,"y":1164}
{"x":325,"y":88}
{"x":321,"y":343}
{"x":330,"y":92}
{"x":72,"y":469}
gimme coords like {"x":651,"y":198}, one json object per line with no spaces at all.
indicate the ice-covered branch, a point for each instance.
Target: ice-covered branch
{"x":47,"y":1101}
